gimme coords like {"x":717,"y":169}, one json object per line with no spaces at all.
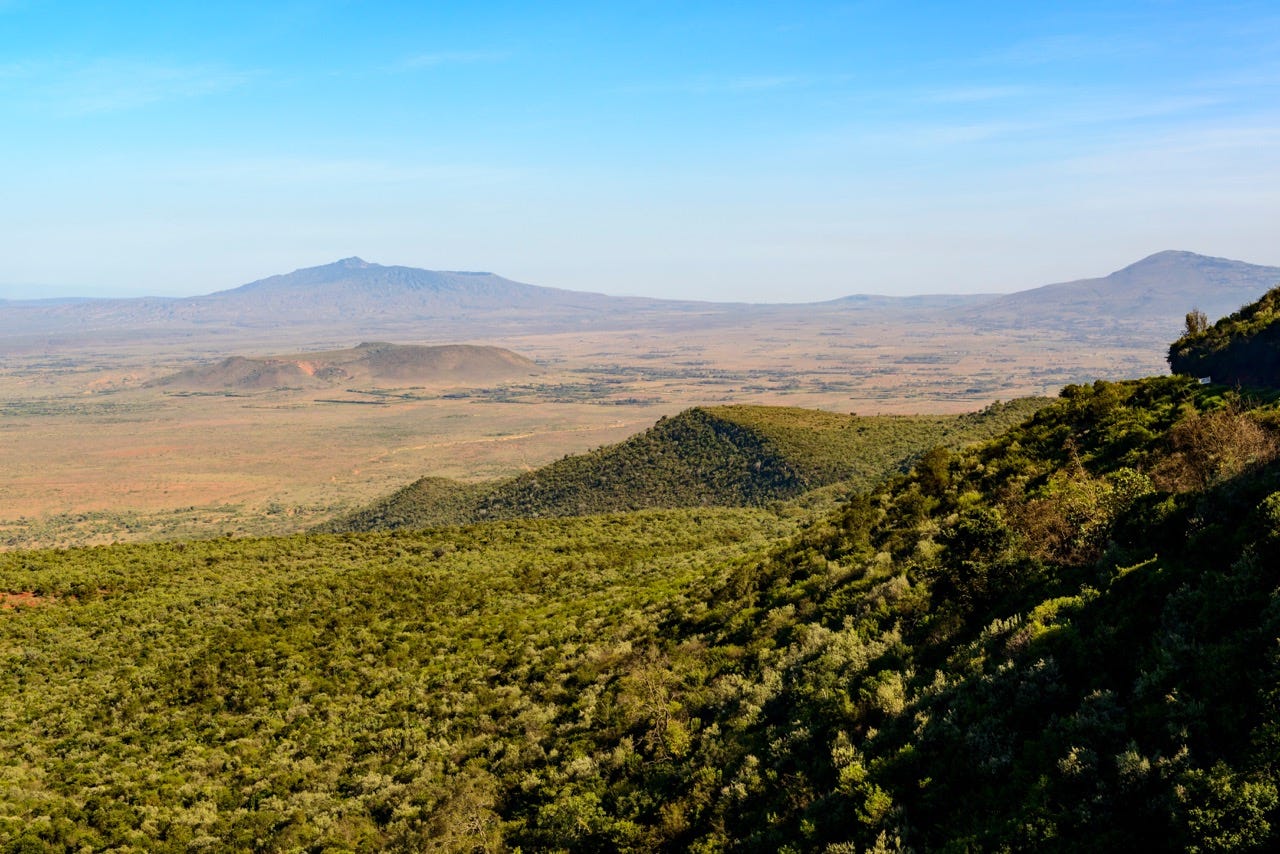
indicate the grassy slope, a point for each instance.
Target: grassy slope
{"x":722,"y":456}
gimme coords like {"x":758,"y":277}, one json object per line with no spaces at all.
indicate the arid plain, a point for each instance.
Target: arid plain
{"x":105,"y":436}
{"x":93,"y":453}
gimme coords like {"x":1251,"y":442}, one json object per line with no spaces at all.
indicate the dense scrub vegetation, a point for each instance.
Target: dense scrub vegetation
{"x":730,"y":456}
{"x":208,"y":521}
{"x":1066,"y":638}
{"x":326,"y":693}
{"x":1241,"y":349}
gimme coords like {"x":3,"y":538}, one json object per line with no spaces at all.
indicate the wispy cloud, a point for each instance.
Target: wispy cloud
{"x":1220,"y":152}
{"x":1119,"y":110}
{"x":113,"y":85}
{"x":1069,"y":48}
{"x":450,"y":57}
{"x":1248,"y":78}
{"x":974,"y":132}
{"x":18,"y":70}
{"x":744,"y":83}
{"x":975,"y":94}
{"x":294,"y":171}
{"x":761,"y":83}
{"x":1061,"y":115}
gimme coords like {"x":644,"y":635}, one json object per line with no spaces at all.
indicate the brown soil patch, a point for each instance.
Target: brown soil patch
{"x":28,"y":599}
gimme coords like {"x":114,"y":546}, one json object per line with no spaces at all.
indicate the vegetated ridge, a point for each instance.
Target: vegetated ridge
{"x":730,"y":456}
{"x":374,"y":363}
{"x":1241,"y":349}
{"x":1062,"y":639}
{"x":1065,"y":638}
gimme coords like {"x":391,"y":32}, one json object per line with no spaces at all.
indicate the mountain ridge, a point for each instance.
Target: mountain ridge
{"x":1153,"y":290}
{"x":354,"y":297}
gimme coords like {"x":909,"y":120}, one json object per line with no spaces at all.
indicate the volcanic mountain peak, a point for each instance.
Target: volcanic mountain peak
{"x":352,"y":298}
{"x":1157,"y":290}
{"x":1180,"y":264}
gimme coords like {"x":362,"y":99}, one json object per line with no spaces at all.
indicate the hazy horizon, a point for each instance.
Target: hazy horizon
{"x":715,"y":151}
{"x":19,"y":294}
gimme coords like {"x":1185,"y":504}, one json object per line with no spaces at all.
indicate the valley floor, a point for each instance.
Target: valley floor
{"x":92,"y":455}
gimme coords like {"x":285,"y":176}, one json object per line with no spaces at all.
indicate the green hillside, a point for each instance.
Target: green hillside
{"x":731,"y":456}
{"x":1064,"y":638}
{"x":325,"y":693}
{"x":1240,"y":349}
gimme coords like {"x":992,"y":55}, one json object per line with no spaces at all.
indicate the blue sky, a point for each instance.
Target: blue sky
{"x":760,"y":151}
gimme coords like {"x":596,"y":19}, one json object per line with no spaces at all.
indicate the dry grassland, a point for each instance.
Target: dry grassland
{"x":89,"y":454}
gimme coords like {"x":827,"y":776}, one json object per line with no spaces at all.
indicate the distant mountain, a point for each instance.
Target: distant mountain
{"x":354,"y":288}
{"x":1155,"y":292}
{"x":348,"y":297}
{"x":353,"y":298}
{"x":732,"y":456}
{"x":376,"y":364}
